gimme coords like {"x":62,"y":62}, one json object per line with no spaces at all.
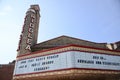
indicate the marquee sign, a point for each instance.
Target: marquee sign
{"x":29,"y":32}
{"x":66,"y":60}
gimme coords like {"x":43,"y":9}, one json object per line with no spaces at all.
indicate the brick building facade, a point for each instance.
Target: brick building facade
{"x":6,"y":71}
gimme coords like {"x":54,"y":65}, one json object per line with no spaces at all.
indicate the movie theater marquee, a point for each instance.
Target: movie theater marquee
{"x":66,"y":60}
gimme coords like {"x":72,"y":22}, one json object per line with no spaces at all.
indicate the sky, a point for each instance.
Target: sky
{"x":92,"y":20}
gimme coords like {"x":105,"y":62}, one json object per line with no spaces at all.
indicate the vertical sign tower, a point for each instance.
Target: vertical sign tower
{"x":29,"y":32}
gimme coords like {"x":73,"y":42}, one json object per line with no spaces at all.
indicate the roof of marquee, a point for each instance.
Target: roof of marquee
{"x":66,"y":40}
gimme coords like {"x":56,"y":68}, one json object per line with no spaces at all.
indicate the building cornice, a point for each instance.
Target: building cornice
{"x":68,"y":48}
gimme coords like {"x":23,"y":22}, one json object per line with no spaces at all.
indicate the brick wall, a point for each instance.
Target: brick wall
{"x":6,"y":71}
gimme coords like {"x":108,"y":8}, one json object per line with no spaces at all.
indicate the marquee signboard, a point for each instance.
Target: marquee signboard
{"x":66,"y":60}
{"x":29,"y":32}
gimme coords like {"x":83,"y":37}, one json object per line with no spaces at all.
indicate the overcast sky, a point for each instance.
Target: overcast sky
{"x":92,"y":20}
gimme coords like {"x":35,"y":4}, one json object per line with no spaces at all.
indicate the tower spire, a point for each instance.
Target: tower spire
{"x":29,"y":32}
